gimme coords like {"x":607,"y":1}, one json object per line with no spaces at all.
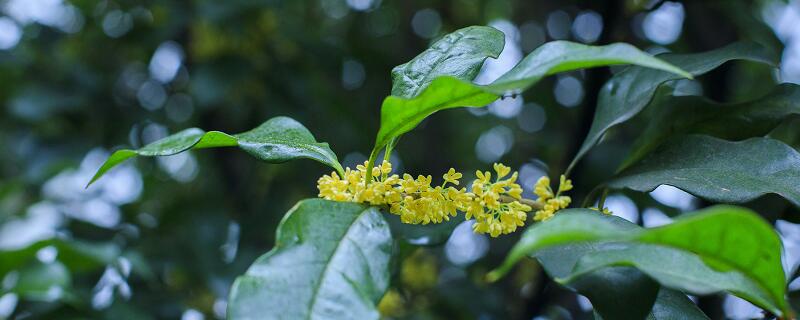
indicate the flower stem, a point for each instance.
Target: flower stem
{"x":529,"y":202}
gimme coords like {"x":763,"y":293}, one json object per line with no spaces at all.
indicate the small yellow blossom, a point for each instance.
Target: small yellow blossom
{"x":542,"y":188}
{"x":551,"y":202}
{"x":564,"y":184}
{"x":501,"y":170}
{"x":452,"y":176}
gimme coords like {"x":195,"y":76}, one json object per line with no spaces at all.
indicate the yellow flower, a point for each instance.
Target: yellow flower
{"x":501,"y":170}
{"x":484,"y":177}
{"x":551,"y":203}
{"x":386,"y":167}
{"x":495,"y":205}
{"x":542,"y":189}
{"x":452,"y":176}
{"x":492,"y":215}
{"x":565,"y":184}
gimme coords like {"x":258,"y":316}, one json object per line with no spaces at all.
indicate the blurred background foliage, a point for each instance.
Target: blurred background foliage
{"x":164,"y":238}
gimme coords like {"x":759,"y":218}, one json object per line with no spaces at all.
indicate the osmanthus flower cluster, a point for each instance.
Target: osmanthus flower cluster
{"x":550,"y":201}
{"x":496,"y":204}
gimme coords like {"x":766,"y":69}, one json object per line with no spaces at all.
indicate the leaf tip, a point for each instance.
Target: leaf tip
{"x":494,"y":275}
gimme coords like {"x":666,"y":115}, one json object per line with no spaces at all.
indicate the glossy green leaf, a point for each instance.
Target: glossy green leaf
{"x":459,"y":54}
{"x":331,"y":261}
{"x":632,"y":89}
{"x":561,"y":56}
{"x":618,"y":292}
{"x":443,"y":72}
{"x":400,"y":114}
{"x":672,"y":268}
{"x":718,"y":170}
{"x":722,"y":239}
{"x":277,"y":140}
{"x":675,"y":305}
{"x":735,"y":121}
{"x":607,"y":287}
{"x":615,"y":293}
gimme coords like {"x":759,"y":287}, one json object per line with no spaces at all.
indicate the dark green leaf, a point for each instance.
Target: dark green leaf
{"x":672,"y":268}
{"x":459,"y":54}
{"x":722,"y":239}
{"x":279,"y":139}
{"x":331,"y":261}
{"x":605,"y":289}
{"x":618,"y":292}
{"x":718,"y":170}
{"x":736,"y":121}
{"x":629,"y":91}
{"x":674,"y":305}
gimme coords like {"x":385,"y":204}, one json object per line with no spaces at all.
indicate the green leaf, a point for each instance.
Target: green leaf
{"x":561,"y":56}
{"x":400,"y":114}
{"x":331,"y":261}
{"x":632,"y":89}
{"x":673,"y":268}
{"x":459,"y":54}
{"x":277,"y":140}
{"x":606,"y":288}
{"x":674,"y":305}
{"x":281,"y":139}
{"x":721,"y":239}
{"x":77,"y":255}
{"x":42,"y":281}
{"x":718,"y":170}
{"x":443,"y":73}
{"x":736,"y":121}
{"x":618,"y":292}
